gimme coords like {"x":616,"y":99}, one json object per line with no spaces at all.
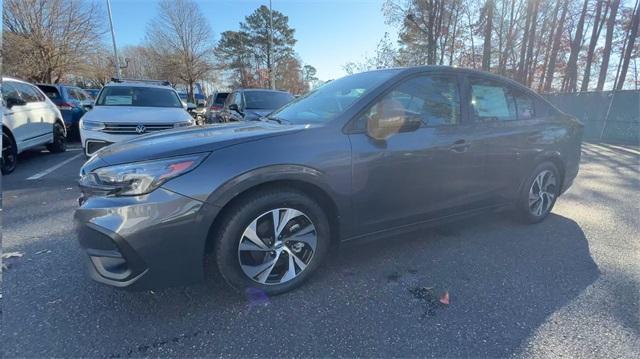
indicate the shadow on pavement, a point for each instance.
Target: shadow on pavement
{"x":370,"y":299}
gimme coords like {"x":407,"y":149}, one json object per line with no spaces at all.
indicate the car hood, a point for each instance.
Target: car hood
{"x":186,"y":141}
{"x":133,"y":114}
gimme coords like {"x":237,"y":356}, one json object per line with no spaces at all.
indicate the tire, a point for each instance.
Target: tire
{"x":59,"y":143}
{"x":9,"y":154}
{"x":236,"y":255}
{"x":539,"y":193}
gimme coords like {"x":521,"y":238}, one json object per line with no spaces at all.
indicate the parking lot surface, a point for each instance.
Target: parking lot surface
{"x":569,"y":286}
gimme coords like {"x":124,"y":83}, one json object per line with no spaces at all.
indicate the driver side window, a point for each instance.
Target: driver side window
{"x":434,"y":99}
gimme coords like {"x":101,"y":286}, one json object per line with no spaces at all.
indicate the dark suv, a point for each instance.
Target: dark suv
{"x":369,"y":155}
{"x":251,"y":104}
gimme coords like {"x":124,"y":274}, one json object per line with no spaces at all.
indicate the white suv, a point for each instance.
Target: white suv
{"x":29,"y":120}
{"x":129,"y":108}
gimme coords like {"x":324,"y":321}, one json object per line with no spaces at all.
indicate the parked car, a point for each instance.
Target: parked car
{"x":73,"y":102}
{"x":366,"y":156}
{"x":251,"y":104}
{"x":93,"y":93}
{"x":129,"y":108}
{"x":214,"y":105}
{"x":29,"y":120}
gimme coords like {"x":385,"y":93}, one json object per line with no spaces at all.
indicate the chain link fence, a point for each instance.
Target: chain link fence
{"x":609,"y":116}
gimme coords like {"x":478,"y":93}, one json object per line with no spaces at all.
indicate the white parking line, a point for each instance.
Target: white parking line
{"x":53,"y":168}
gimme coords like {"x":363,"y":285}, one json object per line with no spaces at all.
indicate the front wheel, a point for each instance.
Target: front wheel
{"x":9,"y":154}
{"x":272,"y":241}
{"x":59,"y":143}
{"x":539,"y":193}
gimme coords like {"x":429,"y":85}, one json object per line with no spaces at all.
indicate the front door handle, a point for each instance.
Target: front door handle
{"x":460,"y":146}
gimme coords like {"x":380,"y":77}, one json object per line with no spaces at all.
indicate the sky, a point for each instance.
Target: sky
{"x":330,"y":33}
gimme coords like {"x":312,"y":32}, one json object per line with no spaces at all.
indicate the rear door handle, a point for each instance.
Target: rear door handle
{"x":460,"y":146}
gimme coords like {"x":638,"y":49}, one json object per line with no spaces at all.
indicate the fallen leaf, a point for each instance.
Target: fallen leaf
{"x":444,"y":298}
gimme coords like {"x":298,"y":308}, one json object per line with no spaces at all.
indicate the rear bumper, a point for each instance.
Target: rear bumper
{"x":144,"y":242}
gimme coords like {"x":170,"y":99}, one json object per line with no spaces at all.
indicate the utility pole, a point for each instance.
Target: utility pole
{"x":113,"y":37}
{"x":271,"y":79}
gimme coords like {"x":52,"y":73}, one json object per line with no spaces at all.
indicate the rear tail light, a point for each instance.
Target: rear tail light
{"x":215,"y":108}
{"x":65,"y":106}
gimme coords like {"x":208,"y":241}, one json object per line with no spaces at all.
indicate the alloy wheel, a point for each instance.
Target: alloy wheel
{"x":277,"y":246}
{"x":542,"y":193}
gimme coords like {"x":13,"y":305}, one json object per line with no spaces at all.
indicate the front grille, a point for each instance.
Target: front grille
{"x":134,"y":128}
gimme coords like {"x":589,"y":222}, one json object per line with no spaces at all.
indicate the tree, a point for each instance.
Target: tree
{"x":181,"y":35}
{"x":632,"y":36}
{"x":551,"y":67}
{"x":46,"y":40}
{"x":598,"y":22}
{"x":309,"y":75}
{"x":604,"y":67}
{"x":271,"y":38}
{"x":571,"y":76}
{"x":488,"y":28}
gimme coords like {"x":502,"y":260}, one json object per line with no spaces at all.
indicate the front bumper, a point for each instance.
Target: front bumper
{"x":144,"y":242}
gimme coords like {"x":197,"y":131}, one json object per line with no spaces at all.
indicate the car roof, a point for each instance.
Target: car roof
{"x":14,"y":79}
{"x":262,"y":90}
{"x":137,"y":84}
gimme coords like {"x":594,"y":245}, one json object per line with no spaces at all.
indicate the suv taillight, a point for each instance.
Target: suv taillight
{"x":215,"y":107}
{"x":65,"y":106}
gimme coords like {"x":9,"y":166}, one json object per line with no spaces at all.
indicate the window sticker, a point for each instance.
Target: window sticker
{"x":490,"y":101}
{"x":118,"y":100}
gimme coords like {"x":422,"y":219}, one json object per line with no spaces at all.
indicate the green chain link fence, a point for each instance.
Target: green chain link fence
{"x":609,"y":116}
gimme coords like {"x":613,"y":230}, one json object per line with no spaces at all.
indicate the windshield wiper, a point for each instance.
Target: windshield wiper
{"x":273,"y":118}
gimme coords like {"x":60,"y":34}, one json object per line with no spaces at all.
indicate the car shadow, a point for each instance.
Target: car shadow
{"x":379,"y":298}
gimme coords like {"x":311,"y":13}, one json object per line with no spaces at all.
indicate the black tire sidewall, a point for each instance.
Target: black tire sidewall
{"x":523,"y":200}
{"x":243,"y":214}
{"x":59,"y":142}
{"x":8,"y":170}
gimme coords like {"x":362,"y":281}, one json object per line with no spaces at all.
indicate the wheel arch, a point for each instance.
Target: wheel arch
{"x":303,"y":179}
{"x":61,"y":122}
{"x":553,"y":157}
{"x":7,"y":130}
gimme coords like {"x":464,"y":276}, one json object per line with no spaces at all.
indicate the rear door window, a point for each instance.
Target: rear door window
{"x":492,"y":101}
{"x":27,"y":92}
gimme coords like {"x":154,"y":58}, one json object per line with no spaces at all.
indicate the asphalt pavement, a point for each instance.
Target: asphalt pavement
{"x":569,"y":286}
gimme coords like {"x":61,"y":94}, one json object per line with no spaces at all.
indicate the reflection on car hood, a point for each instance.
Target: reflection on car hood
{"x":187,"y":141}
{"x":132,"y":114}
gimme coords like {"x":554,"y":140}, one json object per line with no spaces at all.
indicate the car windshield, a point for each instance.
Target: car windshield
{"x":266,"y":100}
{"x":138,"y":97}
{"x":331,"y":99}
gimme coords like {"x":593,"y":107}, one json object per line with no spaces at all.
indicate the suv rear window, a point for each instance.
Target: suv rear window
{"x":266,"y":100}
{"x":51,"y":92}
{"x":219,"y":100}
{"x":138,"y":97}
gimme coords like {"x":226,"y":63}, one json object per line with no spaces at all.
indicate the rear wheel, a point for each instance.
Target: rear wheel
{"x":59,"y":143}
{"x":9,"y":154}
{"x":272,"y":242}
{"x":539,"y":194}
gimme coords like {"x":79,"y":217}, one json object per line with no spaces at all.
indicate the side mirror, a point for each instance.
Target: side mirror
{"x":382,"y":128}
{"x":184,"y":105}
{"x":14,"y":101}
{"x":234,"y":107}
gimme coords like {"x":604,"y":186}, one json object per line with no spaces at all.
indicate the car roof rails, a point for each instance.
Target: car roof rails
{"x":151,"y":82}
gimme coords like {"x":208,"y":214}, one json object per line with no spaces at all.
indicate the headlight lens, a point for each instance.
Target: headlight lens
{"x":92,"y":126}
{"x":138,"y":178}
{"x":183,"y":124}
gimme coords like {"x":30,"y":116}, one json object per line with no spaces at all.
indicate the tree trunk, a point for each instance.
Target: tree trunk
{"x":525,"y":40}
{"x":551,"y":68}
{"x":486,"y":51}
{"x":633,"y":33}
{"x":611,"y":22}
{"x":571,"y":77}
{"x":547,"y":53}
{"x":532,"y":36}
{"x":595,"y":34}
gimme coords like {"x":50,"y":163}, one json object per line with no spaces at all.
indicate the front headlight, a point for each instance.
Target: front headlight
{"x":183,"y":124}
{"x":92,"y":126}
{"x":138,"y":178}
